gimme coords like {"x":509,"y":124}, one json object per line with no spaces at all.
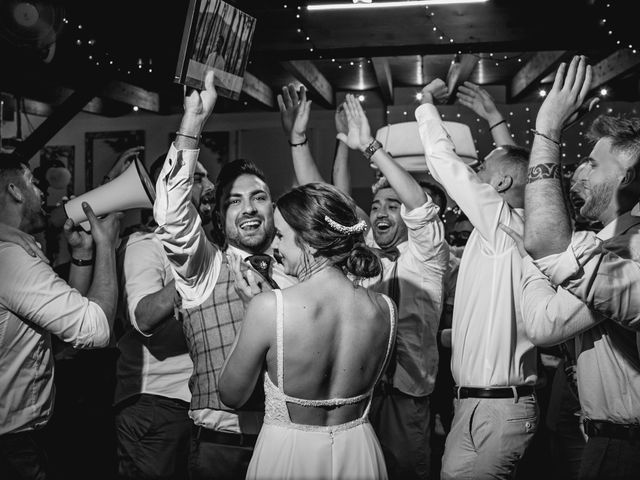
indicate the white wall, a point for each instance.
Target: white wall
{"x":254,"y":136}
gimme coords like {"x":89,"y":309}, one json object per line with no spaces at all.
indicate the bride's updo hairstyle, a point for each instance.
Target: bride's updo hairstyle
{"x":325,"y":219}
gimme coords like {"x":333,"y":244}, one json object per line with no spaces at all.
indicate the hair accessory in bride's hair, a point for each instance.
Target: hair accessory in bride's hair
{"x":359,"y":227}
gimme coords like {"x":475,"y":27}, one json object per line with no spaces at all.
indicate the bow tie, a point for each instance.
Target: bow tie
{"x":261,"y":263}
{"x":391,"y":253}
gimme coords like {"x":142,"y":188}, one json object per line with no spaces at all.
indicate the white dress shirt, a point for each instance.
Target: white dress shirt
{"x":196,"y":262}
{"x":34,"y":304}
{"x":603,"y":269}
{"x":489,"y":345}
{"x":608,"y":366}
{"x":156,"y":363}
{"x":422,"y":264}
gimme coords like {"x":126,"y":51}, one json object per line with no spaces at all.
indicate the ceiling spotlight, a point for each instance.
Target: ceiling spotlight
{"x":405,"y":3}
{"x":542,"y":92}
{"x":361,"y":98}
{"x":604,"y":92}
{"x":419,"y":96}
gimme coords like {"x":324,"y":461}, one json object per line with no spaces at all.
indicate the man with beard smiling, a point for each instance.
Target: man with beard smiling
{"x":587,"y":285}
{"x":410,"y":235}
{"x":211,"y":310}
{"x":35,"y":303}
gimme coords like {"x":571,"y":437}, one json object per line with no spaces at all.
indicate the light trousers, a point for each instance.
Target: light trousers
{"x":488,"y":437}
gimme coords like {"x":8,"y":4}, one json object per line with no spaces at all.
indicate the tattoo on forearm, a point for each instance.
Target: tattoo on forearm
{"x":543,"y":171}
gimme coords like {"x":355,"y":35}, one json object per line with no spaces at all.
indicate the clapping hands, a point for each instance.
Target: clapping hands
{"x":358,"y":136}
{"x":478,"y":99}
{"x":294,"y":112}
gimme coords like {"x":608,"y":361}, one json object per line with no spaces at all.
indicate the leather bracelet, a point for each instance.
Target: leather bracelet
{"x":371,"y":149}
{"x":82,"y":263}
{"x":306,"y":140}
{"x":535,"y":132}
{"x":193,"y":137}
{"x":496,"y":124}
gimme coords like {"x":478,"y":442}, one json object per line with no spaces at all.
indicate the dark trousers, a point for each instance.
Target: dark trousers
{"x":22,"y":456}
{"x":210,"y":460}
{"x":610,"y":459}
{"x":153,"y":435}
{"x":401,"y":423}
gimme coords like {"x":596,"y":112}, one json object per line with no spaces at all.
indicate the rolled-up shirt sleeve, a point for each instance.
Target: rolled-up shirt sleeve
{"x":426,"y":233}
{"x":143,"y":274}
{"x":606,"y":282}
{"x":194,"y":260}
{"x":34,"y":292}
{"x":551,"y":315}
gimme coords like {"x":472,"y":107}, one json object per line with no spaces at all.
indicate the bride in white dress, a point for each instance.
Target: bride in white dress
{"x":323,"y":343}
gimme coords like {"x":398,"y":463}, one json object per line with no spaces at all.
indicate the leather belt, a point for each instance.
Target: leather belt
{"x":500,"y":392}
{"x":599,"y":428}
{"x":225,"y":438}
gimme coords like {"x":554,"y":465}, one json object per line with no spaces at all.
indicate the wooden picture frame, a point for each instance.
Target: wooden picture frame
{"x":102,"y":150}
{"x":216,"y":35}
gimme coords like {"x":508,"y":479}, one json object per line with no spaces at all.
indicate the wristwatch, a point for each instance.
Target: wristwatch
{"x":371,"y":149}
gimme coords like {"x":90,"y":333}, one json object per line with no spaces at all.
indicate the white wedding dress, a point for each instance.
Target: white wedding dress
{"x":288,"y":450}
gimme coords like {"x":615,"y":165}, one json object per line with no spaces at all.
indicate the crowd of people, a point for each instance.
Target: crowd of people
{"x":302,"y":337}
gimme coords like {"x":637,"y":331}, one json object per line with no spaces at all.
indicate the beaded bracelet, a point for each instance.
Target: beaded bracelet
{"x":496,"y":124}
{"x":82,"y":263}
{"x":535,"y":132}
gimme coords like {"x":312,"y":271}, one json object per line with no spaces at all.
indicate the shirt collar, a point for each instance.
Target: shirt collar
{"x":244,"y":254}
{"x":620,"y":224}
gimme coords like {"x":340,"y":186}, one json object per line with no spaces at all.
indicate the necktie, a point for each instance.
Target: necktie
{"x":261,"y":263}
{"x":391,"y":253}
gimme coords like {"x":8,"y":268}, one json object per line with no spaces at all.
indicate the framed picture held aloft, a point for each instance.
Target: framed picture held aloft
{"x":218,"y":36}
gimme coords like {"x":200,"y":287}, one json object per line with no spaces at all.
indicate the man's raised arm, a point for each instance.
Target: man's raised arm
{"x":548,"y":227}
{"x":179,"y":225}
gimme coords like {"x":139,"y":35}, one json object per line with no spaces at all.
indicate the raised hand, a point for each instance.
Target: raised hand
{"x":570,"y":88}
{"x":435,"y":91}
{"x":122,"y":162}
{"x":359,"y":134}
{"x":198,"y":104}
{"x":294,"y":112}
{"x":478,"y":99}
{"x":340,"y":118}
{"x":26,"y":241}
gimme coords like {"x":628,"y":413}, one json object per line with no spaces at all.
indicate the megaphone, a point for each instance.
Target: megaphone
{"x":131,"y":189}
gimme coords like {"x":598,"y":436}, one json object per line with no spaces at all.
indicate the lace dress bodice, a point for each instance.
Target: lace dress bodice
{"x":276,"y":400}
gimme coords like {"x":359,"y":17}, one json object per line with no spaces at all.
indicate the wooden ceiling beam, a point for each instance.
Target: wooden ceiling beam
{"x":539,"y":66}
{"x":57,"y":120}
{"x":459,"y":72}
{"x":314,"y":81}
{"x":258,"y":90}
{"x":615,"y":65}
{"x":131,"y":95}
{"x":383,"y":76}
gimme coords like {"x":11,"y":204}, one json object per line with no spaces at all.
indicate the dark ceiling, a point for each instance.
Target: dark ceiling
{"x":124,"y":53}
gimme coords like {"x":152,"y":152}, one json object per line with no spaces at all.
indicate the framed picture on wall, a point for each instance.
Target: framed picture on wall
{"x":103,"y":150}
{"x":55,"y":173}
{"x":214,"y":151}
